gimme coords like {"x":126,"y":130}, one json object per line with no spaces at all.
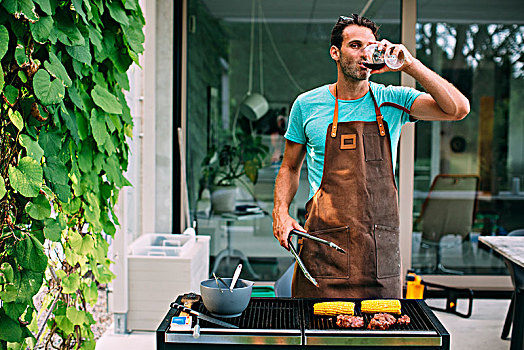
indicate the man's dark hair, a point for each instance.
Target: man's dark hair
{"x":343,"y":22}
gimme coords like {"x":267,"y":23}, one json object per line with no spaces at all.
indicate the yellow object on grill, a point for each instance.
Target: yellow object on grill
{"x":334,"y":308}
{"x":391,"y":306}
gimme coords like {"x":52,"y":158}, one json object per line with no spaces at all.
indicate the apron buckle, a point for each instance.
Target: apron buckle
{"x":380,"y":121}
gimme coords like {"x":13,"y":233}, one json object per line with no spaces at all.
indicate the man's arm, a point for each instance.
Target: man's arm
{"x":442,"y":101}
{"x":286,"y":187}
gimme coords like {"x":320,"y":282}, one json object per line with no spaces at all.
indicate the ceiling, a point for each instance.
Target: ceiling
{"x":382,"y":11}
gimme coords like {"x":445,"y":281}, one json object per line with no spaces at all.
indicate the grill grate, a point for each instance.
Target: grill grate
{"x":261,"y":313}
{"x":282,"y":314}
{"x":419,"y":320}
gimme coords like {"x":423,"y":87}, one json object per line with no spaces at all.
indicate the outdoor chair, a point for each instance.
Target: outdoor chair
{"x":448,"y":210}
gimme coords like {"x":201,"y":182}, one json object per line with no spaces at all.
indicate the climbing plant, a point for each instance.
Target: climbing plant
{"x":64,"y":127}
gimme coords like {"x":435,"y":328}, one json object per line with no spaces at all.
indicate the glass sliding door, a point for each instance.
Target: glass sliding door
{"x":468,"y":174}
{"x":247,"y":62}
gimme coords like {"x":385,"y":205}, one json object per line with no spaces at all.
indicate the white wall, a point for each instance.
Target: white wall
{"x":146,"y":207}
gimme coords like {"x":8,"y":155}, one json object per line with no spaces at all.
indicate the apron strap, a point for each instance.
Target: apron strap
{"x":335,"y":116}
{"x":391,"y":104}
{"x":380,"y":119}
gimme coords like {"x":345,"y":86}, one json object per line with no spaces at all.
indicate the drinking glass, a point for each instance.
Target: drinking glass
{"x":376,"y":59}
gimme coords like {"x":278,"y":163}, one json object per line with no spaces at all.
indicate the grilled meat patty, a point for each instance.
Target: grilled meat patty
{"x":382,"y":321}
{"x":403,"y":320}
{"x":348,"y":321}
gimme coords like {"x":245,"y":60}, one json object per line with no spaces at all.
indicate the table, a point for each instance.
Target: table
{"x":512,"y":250}
{"x":229,"y":252}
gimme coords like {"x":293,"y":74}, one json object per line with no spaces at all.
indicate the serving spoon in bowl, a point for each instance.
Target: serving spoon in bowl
{"x":235,"y":278}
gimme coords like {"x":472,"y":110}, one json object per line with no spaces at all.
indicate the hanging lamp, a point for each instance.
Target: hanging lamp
{"x":254,"y":105}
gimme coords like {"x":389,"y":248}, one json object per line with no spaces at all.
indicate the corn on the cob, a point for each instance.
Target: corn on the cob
{"x":391,"y":306}
{"x":334,"y":308}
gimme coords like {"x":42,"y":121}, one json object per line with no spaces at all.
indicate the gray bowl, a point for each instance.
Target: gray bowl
{"x":226,"y":304}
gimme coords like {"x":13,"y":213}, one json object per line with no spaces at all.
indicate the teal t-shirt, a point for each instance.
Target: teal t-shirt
{"x":312,"y":112}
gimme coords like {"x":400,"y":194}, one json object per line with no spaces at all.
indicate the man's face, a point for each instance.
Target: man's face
{"x":351,"y":54}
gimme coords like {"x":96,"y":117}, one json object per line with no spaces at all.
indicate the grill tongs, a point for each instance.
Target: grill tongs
{"x":297,"y":258}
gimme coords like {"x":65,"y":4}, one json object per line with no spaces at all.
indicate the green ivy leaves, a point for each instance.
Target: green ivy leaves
{"x":28,"y":283}
{"x":70,"y":283}
{"x":11,"y":94}
{"x":45,"y":5}
{"x":27,"y":177}
{"x":80,"y":53}
{"x":9,"y":329}
{"x":55,"y":67}
{"x":100,"y":133}
{"x":32,"y":147}
{"x":2,"y":80}
{"x":47,"y":91}
{"x":30,"y":254}
{"x":16,"y":119}
{"x":7,"y":270}
{"x":58,"y":176}
{"x":66,"y":126}
{"x":4,"y":41}
{"x":2,"y":188}
{"x":117,"y":12}
{"x":54,"y":227}
{"x":105,"y":100}
{"x":24,"y":7}
{"x":39,"y":208}
{"x":66,"y":30}
{"x":81,"y":245}
{"x":50,"y":142}
{"x":76,"y":317}
{"x":42,"y":28}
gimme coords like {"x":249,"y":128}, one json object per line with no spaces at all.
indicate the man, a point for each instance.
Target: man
{"x":350,"y":139}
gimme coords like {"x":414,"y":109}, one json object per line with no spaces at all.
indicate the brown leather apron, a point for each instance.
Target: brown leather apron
{"x":356,"y":208}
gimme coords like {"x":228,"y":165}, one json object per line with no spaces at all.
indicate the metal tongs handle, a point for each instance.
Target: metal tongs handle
{"x":300,"y":263}
{"x":320,"y":240}
{"x":202,"y":316}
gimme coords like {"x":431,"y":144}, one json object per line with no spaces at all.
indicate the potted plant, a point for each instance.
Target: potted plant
{"x":226,"y":166}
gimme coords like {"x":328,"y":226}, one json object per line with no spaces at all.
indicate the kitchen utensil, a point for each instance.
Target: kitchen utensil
{"x":216,"y":280}
{"x":235,"y":277}
{"x":226,"y":304}
{"x":202,"y":316}
{"x":297,"y":258}
{"x":320,"y":240}
{"x":300,"y":263}
{"x":196,"y":329}
{"x":223,"y":282}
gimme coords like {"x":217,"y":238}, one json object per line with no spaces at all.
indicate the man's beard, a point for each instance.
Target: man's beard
{"x":352,"y":70}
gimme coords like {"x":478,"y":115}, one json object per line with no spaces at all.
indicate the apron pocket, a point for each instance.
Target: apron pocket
{"x":373,"y":147}
{"x":321,"y":260}
{"x":387,"y":251}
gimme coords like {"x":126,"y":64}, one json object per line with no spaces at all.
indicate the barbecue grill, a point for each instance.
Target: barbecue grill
{"x":285,"y":323}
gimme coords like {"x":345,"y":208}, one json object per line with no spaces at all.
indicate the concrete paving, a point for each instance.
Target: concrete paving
{"x":482,"y":330}
{"x":479,"y":332}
